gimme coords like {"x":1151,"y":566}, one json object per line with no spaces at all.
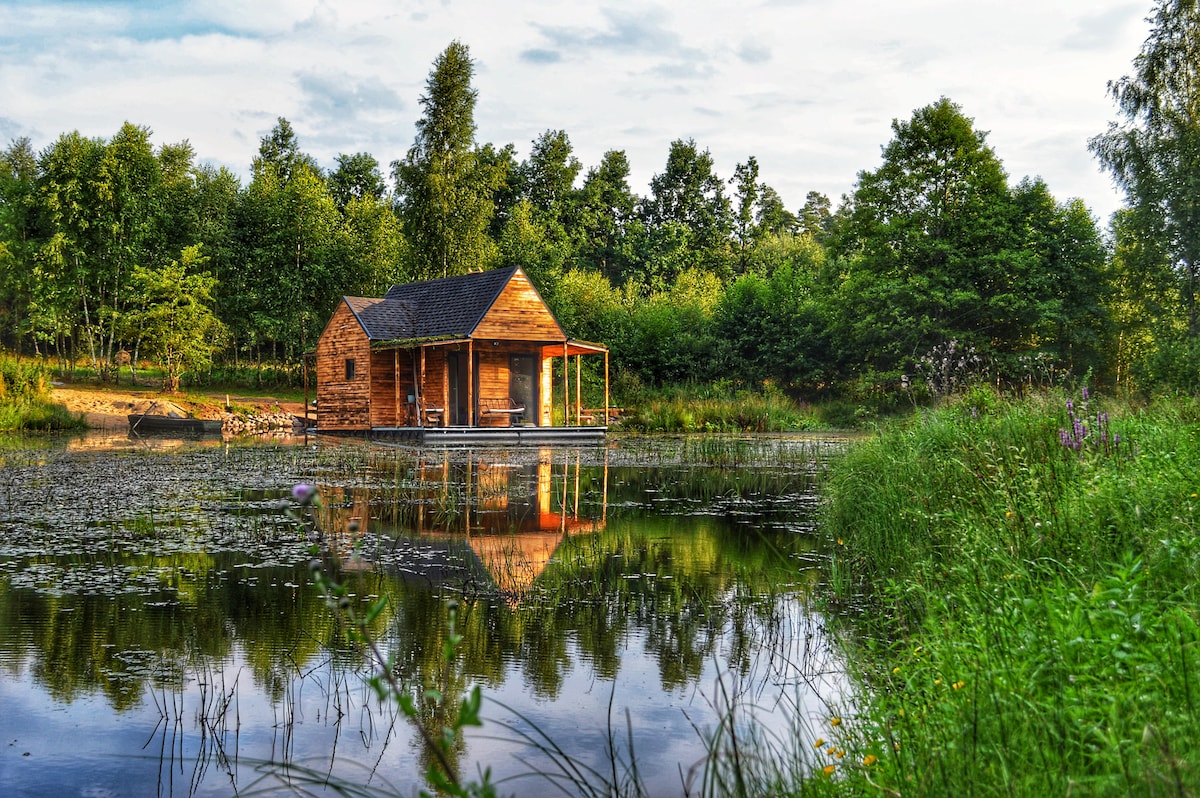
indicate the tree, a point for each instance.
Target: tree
{"x":372,"y":249}
{"x":356,"y":177}
{"x":548,"y":176}
{"x":746,"y":195}
{"x":687,"y":217}
{"x":289,"y":228}
{"x":606,"y":212}
{"x":20,"y":236}
{"x":535,"y":229}
{"x":772,"y":217}
{"x":217,"y":210}
{"x":172,"y":320}
{"x":1069,"y":281}
{"x":531,"y":242}
{"x":772,"y":322}
{"x":816,"y":215}
{"x":1154,"y":152}
{"x":929,"y":238}
{"x":1142,"y":302}
{"x":445,"y":187}
{"x":101,"y":201}
{"x":281,"y":149}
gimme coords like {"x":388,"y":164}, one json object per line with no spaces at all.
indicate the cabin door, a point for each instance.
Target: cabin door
{"x":456,"y":374}
{"x":523,"y":384}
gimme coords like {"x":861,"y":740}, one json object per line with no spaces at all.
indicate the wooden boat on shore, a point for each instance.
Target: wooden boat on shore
{"x":141,"y":422}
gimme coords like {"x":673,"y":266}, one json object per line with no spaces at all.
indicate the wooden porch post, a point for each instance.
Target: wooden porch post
{"x":578,"y":404}
{"x":606,"y":387}
{"x":566,"y":386}
{"x":304,"y":358}
{"x":445,"y":390}
{"x":396,"y":383}
{"x":421,"y":393}
{"x":471,"y":382}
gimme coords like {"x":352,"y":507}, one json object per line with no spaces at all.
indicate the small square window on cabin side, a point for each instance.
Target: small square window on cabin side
{"x":349,"y":368}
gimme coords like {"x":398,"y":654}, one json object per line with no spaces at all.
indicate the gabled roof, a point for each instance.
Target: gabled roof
{"x":446,"y":308}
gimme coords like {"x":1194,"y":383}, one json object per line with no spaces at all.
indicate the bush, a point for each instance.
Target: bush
{"x":25,"y":402}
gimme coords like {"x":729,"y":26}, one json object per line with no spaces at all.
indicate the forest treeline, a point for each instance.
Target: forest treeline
{"x":936,"y":268}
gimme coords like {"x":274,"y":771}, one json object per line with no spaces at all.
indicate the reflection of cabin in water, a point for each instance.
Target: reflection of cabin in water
{"x":501,"y":523}
{"x":457,"y":359}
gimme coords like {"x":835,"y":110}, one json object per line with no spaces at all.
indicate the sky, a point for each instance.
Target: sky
{"x":810,"y":88}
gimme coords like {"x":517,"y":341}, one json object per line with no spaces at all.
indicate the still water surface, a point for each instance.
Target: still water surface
{"x":160,"y":633}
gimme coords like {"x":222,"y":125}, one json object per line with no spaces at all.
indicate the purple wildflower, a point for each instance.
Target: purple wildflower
{"x":1085,"y":393}
{"x":303,"y":492}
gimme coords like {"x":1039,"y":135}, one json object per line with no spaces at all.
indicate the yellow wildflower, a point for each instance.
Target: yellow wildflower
{"x":820,"y":742}
{"x":937,"y":682}
{"x":840,"y":753}
{"x":835,"y":721}
{"x":959,"y":685}
{"x":870,"y":759}
{"x":828,"y":769}
{"x":896,"y":669}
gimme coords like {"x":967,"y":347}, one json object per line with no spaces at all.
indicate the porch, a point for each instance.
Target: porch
{"x":482,"y":436}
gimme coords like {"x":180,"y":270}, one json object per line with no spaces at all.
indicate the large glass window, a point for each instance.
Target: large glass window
{"x":522,"y":384}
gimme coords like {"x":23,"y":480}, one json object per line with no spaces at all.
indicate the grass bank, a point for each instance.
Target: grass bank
{"x":1018,"y":581}
{"x":25,"y":403}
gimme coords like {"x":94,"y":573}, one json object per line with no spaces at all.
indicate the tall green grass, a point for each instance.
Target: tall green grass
{"x":703,"y":411}
{"x":1020,"y":601}
{"x":25,"y":402}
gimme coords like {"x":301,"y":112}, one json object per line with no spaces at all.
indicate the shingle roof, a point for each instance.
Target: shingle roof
{"x":450,"y":307}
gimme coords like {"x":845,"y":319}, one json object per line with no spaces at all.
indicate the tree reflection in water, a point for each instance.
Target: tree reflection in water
{"x":186,"y":616}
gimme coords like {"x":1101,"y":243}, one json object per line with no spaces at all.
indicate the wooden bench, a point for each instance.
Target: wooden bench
{"x":507,"y":409}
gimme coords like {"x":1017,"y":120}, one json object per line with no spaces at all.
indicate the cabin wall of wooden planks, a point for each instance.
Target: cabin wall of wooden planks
{"x":519,"y":314}
{"x":343,"y":404}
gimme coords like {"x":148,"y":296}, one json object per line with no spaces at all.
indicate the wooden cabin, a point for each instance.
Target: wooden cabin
{"x":471,"y":352}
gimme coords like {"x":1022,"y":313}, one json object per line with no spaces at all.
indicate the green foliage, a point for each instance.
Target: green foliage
{"x":25,"y":402}
{"x":1154,"y":151}
{"x":174,"y":322}
{"x":934,"y":245}
{"x":688,"y":219}
{"x":1022,"y":572}
{"x":605,"y":223}
{"x":694,"y":409}
{"x":444,"y":185}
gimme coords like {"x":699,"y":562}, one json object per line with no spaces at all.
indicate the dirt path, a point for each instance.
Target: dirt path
{"x":108,"y":408}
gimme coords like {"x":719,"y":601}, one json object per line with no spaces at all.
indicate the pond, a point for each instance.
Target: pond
{"x":623,"y":608}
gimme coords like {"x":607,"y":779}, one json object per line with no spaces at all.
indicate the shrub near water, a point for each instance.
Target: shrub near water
{"x":1024,"y":577}
{"x":25,"y":399}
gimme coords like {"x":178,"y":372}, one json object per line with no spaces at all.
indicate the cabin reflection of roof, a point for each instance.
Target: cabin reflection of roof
{"x":510,"y":562}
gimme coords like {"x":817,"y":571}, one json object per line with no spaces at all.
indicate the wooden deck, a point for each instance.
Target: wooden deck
{"x":480,"y":436}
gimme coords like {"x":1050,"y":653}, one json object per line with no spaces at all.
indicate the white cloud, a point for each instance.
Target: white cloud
{"x":810,"y":87}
